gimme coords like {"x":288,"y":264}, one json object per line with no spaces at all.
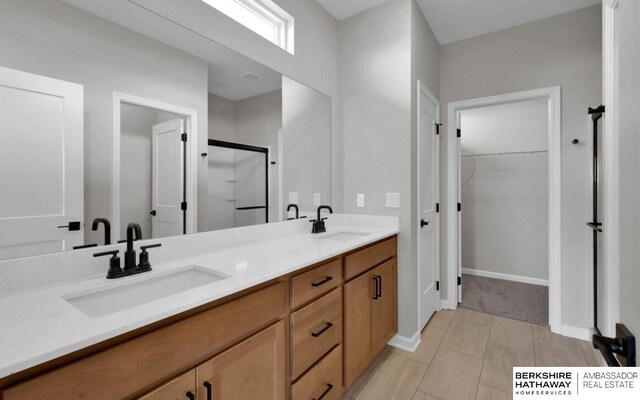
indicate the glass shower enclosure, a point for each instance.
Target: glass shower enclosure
{"x":238,"y":185}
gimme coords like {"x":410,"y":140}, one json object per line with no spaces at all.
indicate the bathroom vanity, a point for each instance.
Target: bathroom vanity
{"x":299,"y":317}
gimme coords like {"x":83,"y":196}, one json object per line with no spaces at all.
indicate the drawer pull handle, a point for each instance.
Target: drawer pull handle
{"x":327,"y":390}
{"x":379,"y":286}
{"x":209,"y":390}
{"x":322,"y":282}
{"x":328,"y":325}
{"x":191,"y":396}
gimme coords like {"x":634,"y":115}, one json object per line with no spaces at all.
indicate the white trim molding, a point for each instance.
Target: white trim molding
{"x":611,"y":167}
{"x":553,"y":94}
{"x":576,"y":333}
{"x":192,"y":158}
{"x":406,"y":343}
{"x":506,"y":277}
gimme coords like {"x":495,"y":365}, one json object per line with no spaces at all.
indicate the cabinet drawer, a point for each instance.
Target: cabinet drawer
{"x":180,"y":388}
{"x":324,"y":381}
{"x":135,"y":366}
{"x":356,"y":263}
{"x":314,"y":330}
{"x":315,"y":283}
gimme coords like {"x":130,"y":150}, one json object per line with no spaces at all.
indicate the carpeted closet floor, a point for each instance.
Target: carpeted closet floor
{"x":521,"y":301}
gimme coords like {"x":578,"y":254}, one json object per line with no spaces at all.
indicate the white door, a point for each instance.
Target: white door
{"x":428,"y":148}
{"x":41,"y":164}
{"x":167,"y":179}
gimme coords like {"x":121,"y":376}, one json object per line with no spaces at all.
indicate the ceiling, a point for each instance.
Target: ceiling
{"x":453,"y":20}
{"x":512,"y":127}
{"x":226,"y":67}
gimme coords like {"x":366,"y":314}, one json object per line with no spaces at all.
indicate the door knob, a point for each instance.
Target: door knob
{"x":153,"y":212}
{"x":423,"y":223}
{"x":73,"y":226}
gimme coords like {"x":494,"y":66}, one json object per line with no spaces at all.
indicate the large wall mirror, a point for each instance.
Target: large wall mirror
{"x":113,"y":114}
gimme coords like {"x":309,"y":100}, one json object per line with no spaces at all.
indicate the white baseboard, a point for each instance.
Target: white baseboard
{"x":444,"y":305}
{"x":406,"y":343}
{"x":576,"y":333}
{"x":506,"y":277}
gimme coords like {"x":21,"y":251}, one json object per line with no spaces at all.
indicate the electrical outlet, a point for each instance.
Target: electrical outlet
{"x":360,"y":200}
{"x":293,"y":198}
{"x":316,"y":199}
{"x":393,"y":200}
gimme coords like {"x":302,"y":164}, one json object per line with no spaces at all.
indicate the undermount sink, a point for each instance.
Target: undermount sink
{"x":344,"y":236}
{"x":103,"y":302}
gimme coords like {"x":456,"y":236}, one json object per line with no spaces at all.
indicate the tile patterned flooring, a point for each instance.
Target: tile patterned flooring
{"x":466,"y":355}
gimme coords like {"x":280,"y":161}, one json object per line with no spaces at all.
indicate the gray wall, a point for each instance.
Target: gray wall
{"x":629,"y":79}
{"x":306,"y":146}
{"x":53,"y":39}
{"x":377,"y":74}
{"x":565,"y":50}
{"x":505,"y":219}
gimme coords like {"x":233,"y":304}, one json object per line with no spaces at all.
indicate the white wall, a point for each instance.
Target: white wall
{"x":629,"y":11}
{"x":53,"y":39}
{"x":222,"y":118}
{"x":377,"y":78}
{"x":565,"y":50}
{"x":505,"y":218}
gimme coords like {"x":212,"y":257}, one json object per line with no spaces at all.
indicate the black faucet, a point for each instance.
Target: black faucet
{"x":318,"y":223}
{"x":290,"y":206}
{"x":130,"y":254}
{"x":107,"y":228}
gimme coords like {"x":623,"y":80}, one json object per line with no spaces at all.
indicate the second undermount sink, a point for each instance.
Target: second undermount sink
{"x":344,"y":236}
{"x":104,"y":302}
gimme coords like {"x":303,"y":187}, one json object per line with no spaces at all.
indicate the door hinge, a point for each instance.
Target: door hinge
{"x":437,"y":207}
{"x":183,"y":206}
{"x":459,"y":207}
{"x":438,"y":285}
{"x":183,"y":137}
{"x":438,"y":128}
{"x":459,"y":132}
{"x":459,"y":280}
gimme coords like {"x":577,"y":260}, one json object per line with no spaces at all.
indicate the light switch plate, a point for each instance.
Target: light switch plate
{"x":316,"y":199}
{"x":293,"y":198}
{"x":393,"y":200}
{"x":360,"y":200}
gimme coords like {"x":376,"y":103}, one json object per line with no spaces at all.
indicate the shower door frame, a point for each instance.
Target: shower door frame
{"x":256,"y":149}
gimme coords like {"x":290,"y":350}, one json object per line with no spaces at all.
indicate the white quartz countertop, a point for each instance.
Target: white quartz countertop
{"x":39,"y":325}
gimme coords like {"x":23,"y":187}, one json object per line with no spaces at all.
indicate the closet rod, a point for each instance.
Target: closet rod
{"x":507,"y":153}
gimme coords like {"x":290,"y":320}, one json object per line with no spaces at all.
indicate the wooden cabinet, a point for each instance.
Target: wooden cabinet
{"x":254,"y":368}
{"x":384,"y":306}
{"x":370,"y":310}
{"x":314,"y":333}
{"x":323,"y":381}
{"x":315,"y":329}
{"x":181,"y":388}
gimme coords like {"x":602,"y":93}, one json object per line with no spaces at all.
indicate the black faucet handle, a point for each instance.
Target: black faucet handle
{"x":144,"y":264}
{"x":114,"y":263}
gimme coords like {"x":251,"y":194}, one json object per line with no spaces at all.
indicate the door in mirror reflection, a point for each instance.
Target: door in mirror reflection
{"x":238,"y":185}
{"x":41,"y":164}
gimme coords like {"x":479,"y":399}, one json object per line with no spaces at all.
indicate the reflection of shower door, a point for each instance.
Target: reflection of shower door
{"x":238,"y":185}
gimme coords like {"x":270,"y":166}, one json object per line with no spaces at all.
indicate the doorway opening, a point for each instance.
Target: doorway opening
{"x":156,"y":144}
{"x":503,"y":241}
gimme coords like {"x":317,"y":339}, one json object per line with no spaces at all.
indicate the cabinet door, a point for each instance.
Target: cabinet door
{"x":358,"y":296}
{"x":252,"y":369}
{"x":181,"y":388}
{"x":384,"y":308}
